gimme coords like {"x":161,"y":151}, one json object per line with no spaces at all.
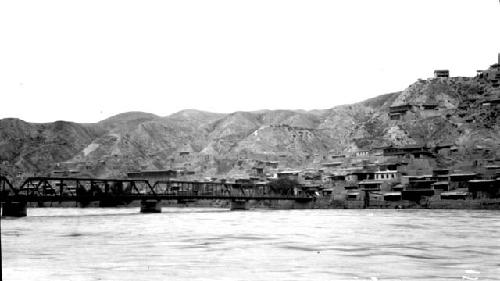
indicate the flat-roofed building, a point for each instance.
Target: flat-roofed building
{"x":441,"y":73}
{"x":397,"y":111}
{"x":291,"y":175}
{"x":361,"y":153}
{"x":461,"y":180}
{"x":158,"y":175}
{"x":484,"y":188}
{"x":332,"y":164}
{"x":388,"y":175}
{"x":441,"y":185}
{"x":392,"y":196}
{"x":370,"y":185}
{"x":454,"y":195}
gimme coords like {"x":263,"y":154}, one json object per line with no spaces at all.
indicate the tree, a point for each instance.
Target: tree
{"x":283,"y":186}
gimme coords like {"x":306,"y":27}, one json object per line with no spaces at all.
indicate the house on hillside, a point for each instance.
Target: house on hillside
{"x":258,"y":170}
{"x":154,"y":175}
{"x":461,"y":180}
{"x":492,"y":72}
{"x":331,"y":164}
{"x":387,"y":175}
{"x":429,"y":110}
{"x":360,"y":175}
{"x":370,"y":185}
{"x":417,"y":188}
{"x":337,"y":157}
{"x":291,"y":175}
{"x":454,"y":195}
{"x":416,"y":151}
{"x":441,"y":73}
{"x":484,"y":188}
{"x":398,"y":111}
{"x":362,"y":153}
{"x":272,"y":164}
{"x":441,"y":186}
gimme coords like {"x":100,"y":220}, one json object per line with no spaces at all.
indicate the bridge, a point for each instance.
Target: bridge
{"x":115,"y":192}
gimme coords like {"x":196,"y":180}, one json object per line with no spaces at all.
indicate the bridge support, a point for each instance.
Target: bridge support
{"x":239,"y":204}
{"x":14,"y":209}
{"x":150,"y":206}
{"x":302,"y":204}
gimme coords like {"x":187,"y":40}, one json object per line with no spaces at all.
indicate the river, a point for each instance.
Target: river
{"x":217,"y":244}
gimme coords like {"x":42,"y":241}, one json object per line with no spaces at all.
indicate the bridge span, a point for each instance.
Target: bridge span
{"x":115,"y":192}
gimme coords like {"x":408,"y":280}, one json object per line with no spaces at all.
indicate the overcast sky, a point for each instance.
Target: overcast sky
{"x":86,"y":60}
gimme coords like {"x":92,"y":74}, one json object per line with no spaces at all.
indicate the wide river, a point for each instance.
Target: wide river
{"x":217,"y":244}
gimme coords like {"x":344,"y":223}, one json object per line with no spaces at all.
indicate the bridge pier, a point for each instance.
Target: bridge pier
{"x":238,"y":205}
{"x":14,"y":209}
{"x":302,"y":204}
{"x":150,"y":206}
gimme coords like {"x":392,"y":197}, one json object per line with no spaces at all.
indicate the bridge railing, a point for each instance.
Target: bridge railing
{"x":6,"y":187}
{"x":85,"y":189}
{"x":66,"y":186}
{"x":219,"y":188}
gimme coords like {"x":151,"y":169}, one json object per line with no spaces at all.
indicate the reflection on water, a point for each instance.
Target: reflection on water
{"x":215,"y":244}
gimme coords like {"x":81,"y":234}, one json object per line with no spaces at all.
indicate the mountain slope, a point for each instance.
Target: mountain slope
{"x":443,"y":111}
{"x":38,"y":147}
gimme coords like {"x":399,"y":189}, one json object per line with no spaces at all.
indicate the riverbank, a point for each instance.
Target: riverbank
{"x":319,"y":203}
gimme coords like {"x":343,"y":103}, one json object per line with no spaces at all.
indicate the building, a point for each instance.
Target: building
{"x":158,"y":175}
{"x":336,"y":156}
{"x":353,"y":195}
{"x":272,"y":164}
{"x":291,"y":175}
{"x":441,"y":73}
{"x":419,"y":151}
{"x":460,"y":180}
{"x":418,"y":182}
{"x":360,"y":175}
{"x":396,"y":112}
{"x":392,"y":196}
{"x":388,"y":175}
{"x":491,"y":75}
{"x":332,"y":164}
{"x":362,"y":153}
{"x":429,"y":110}
{"x":454,"y":195}
{"x":417,"y":187}
{"x":428,"y":106}
{"x":370,"y":185}
{"x":334,"y":178}
{"x":441,"y":185}
{"x":481,"y":189}
{"x":327,"y":192}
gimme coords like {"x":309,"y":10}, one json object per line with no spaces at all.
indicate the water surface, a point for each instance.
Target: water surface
{"x":216,"y":244}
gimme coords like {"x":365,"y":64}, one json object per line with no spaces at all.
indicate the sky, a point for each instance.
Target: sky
{"x":87,"y":60}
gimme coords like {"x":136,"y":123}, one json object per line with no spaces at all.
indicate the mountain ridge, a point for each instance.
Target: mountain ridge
{"x":442,"y":111}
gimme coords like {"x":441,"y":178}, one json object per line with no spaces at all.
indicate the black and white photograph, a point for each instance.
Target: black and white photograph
{"x":263,"y":140}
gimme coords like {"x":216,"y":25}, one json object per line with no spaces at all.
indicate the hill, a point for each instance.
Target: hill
{"x":440,"y":111}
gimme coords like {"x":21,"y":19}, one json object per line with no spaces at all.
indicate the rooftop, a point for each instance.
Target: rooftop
{"x":394,"y":193}
{"x":463,"y":174}
{"x":441,"y":183}
{"x":370,"y":182}
{"x":482,"y":181}
{"x":289,"y":172}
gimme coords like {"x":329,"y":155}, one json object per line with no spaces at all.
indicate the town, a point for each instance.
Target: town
{"x":424,"y":174}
